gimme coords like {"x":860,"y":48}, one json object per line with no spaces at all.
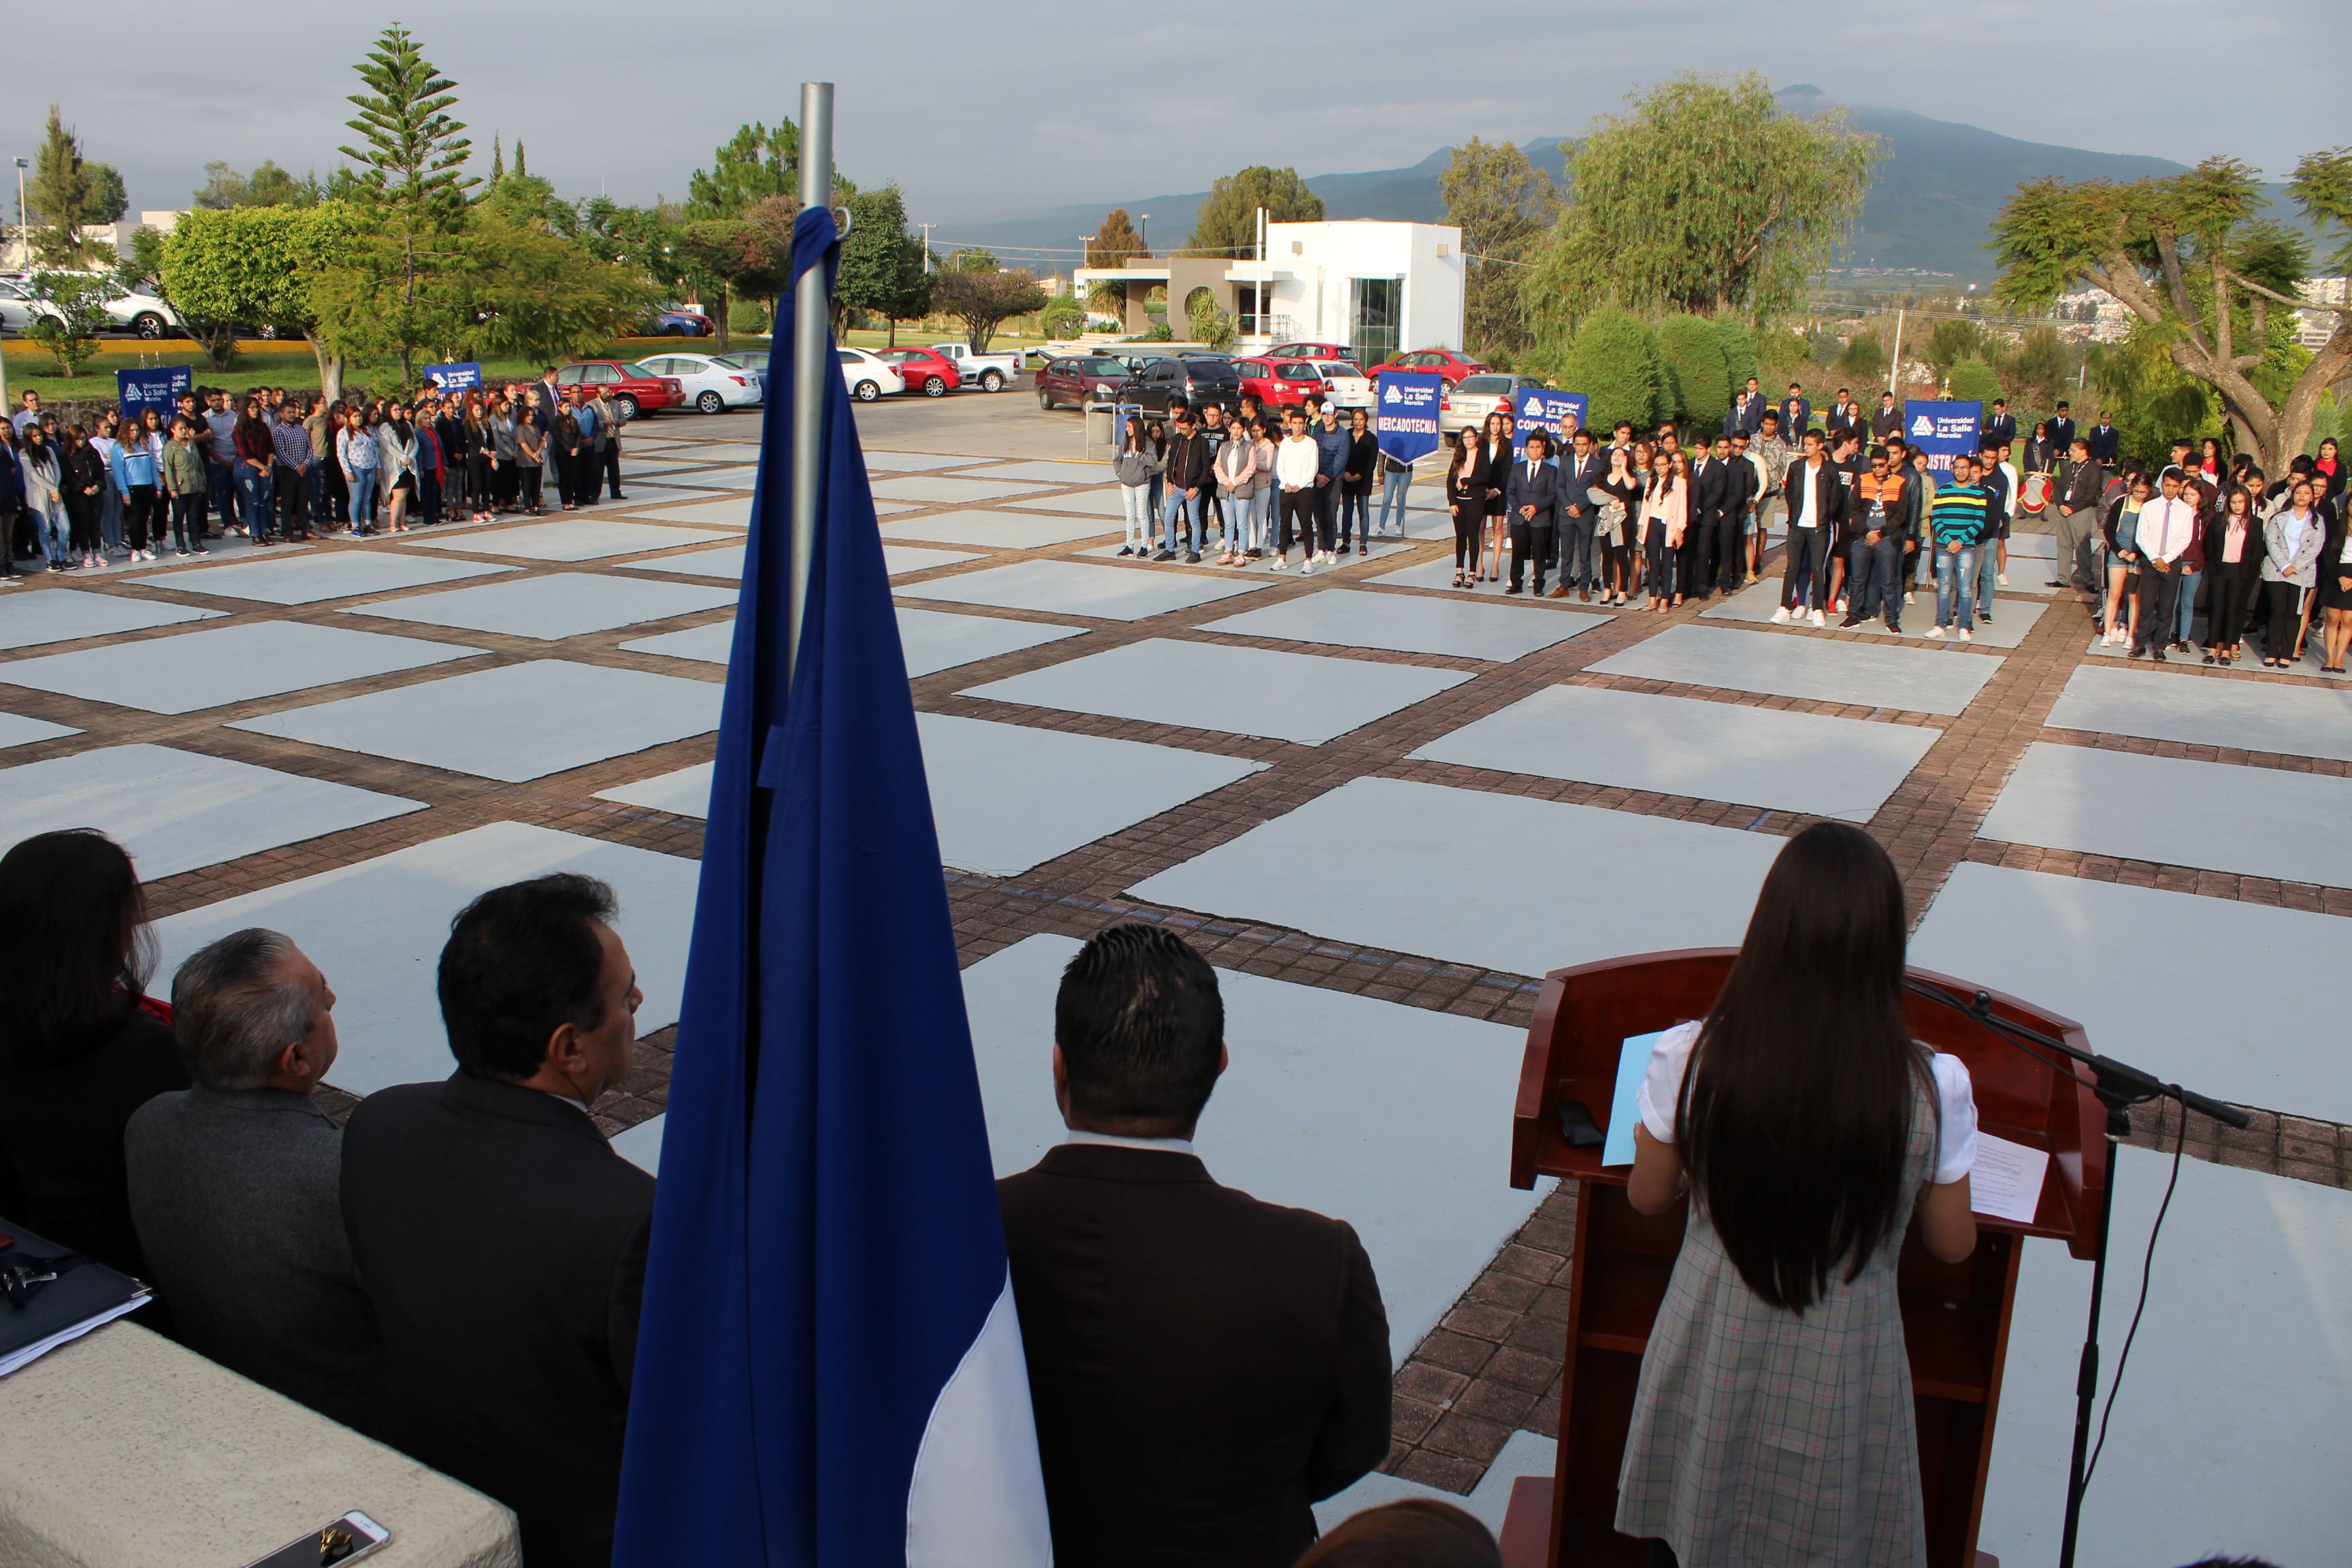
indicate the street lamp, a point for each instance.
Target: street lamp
{"x":1143,"y":233}
{"x":20,"y":208}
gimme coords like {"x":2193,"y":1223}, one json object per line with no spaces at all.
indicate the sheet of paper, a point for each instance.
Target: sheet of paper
{"x":2007,"y":1180}
{"x":39,"y":1348}
{"x":1633,"y":1062}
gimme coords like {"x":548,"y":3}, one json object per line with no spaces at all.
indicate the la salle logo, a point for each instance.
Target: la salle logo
{"x":1922,"y":426}
{"x":1395,"y":394}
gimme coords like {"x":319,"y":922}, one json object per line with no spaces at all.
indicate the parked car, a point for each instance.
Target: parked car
{"x":142,"y":310}
{"x":713,"y":382}
{"x":1467,"y":401}
{"x":987,"y":372}
{"x":1196,"y":378}
{"x":19,"y":309}
{"x":1451,"y":363}
{"x":1313,"y":350}
{"x":1090,"y":382}
{"x":870,"y":376}
{"x":926,"y":371}
{"x":633,"y":388}
{"x":672,"y":323}
{"x":1288,"y":383}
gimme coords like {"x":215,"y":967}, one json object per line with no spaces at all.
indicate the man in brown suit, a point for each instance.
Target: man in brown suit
{"x":1205,"y":1366}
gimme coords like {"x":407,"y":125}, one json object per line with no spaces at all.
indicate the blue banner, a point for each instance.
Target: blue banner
{"x":158,"y":389}
{"x":1941,"y":428}
{"x":455,"y":377}
{"x":1404,"y":416}
{"x":1539,"y":408}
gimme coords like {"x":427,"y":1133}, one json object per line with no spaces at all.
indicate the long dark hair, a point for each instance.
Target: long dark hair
{"x":1795,"y":1118}
{"x":1468,"y":445}
{"x":81,"y":951}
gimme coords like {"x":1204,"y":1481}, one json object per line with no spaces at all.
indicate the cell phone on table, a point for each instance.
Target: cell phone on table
{"x":347,"y":1540}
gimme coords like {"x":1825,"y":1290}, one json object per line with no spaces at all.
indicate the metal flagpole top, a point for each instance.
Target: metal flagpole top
{"x":812,"y":364}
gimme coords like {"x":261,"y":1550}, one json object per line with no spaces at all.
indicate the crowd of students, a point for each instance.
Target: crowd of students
{"x":274,"y":467}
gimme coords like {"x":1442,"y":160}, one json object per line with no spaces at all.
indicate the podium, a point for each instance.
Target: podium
{"x":1955,"y":1316}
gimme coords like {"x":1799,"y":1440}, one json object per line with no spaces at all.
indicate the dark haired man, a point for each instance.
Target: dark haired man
{"x":501,"y":1241}
{"x":1887,"y":423}
{"x":1203,"y":1366}
{"x":2000,"y":427}
{"x":2062,"y":428}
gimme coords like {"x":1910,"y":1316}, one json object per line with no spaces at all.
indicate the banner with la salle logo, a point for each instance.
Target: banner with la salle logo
{"x":1404,"y":418}
{"x":1941,"y":428}
{"x":1541,"y":408}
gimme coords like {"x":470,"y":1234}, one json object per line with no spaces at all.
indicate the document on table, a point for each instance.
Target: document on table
{"x":2007,"y":1180}
{"x":1624,"y":1108}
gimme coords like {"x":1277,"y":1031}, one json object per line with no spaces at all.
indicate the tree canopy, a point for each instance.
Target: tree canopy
{"x":415,"y":151}
{"x":1614,"y":362}
{"x":984,"y":299}
{"x":881,"y":268}
{"x":1705,"y":196}
{"x":66,"y":194}
{"x":2202,"y":273}
{"x":268,"y":187}
{"x":1227,"y":224}
{"x":1503,"y":207}
{"x":755,"y":164}
{"x":246,"y":266}
{"x":1115,"y":241}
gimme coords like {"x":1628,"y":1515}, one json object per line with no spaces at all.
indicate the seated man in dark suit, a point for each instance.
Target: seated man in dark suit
{"x":501,"y":1241}
{"x":236,"y":1183}
{"x":1203,"y":1366}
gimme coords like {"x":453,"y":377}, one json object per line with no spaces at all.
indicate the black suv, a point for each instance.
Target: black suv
{"x":1195,"y":378}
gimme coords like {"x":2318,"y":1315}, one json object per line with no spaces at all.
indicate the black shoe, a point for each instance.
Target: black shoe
{"x":1513,"y":588}
{"x":1192,"y":558}
{"x":1164,"y":555}
{"x":1850,"y":622}
{"x":1895,"y":627}
{"x":2159,"y":656}
{"x":2138,"y":652}
{"x":1983,"y":618}
{"x":1127,"y":550}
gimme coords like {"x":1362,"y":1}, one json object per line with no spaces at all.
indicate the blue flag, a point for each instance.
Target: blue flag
{"x":829,"y":1368}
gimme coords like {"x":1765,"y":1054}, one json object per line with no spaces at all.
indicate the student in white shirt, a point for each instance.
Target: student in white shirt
{"x":1296,"y":463}
{"x":2167,"y":528}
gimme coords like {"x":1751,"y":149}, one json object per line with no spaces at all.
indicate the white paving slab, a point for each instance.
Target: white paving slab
{"x":567,"y":539}
{"x":1413,"y":867}
{"x":950,"y":488}
{"x":514,"y":722}
{"x":2011,"y":619}
{"x":934,"y":640}
{"x":1083,"y":503}
{"x":2235,"y":1412}
{"x":222,"y":665}
{"x":176,"y":810}
{"x":917,"y":462}
{"x":729,"y":512}
{"x":716,"y":451}
{"x":1437,"y":572}
{"x":898,"y":560}
{"x":376,"y":930}
{"x":1299,"y":696}
{"x":316,"y":576}
{"x":1076,"y":588}
{"x":683,"y":793}
{"x":732,"y":477}
{"x":1374,"y":1112}
{"x":1692,"y":749}
{"x":641,"y":1145}
{"x":1044,"y":470}
{"x":995,"y":530}
{"x":2214,"y":816}
{"x":2310,"y":665}
{"x":2248,"y":715}
{"x":1917,"y":681}
{"x":15,"y":730}
{"x":1405,"y":623}
{"x":1007,"y":797}
{"x":2239,"y":1010}
{"x":32,"y":616}
{"x":1209,"y":541}
{"x":724,"y":563}
{"x":551,"y":608}
{"x":709,"y":644}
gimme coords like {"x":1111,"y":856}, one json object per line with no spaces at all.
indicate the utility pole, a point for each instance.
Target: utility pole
{"x":1142,"y":233}
{"x":1895,"y":366}
{"x":926,"y":247}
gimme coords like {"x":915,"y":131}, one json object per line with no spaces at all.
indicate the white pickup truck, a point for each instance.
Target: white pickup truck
{"x":990,"y":373}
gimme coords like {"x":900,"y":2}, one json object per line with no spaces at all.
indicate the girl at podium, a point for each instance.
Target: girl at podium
{"x":1773,"y":1420}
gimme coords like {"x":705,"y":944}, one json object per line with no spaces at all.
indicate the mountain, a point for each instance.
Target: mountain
{"x":1930,"y":207}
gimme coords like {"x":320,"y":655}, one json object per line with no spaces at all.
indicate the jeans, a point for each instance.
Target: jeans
{"x":1357,"y":504}
{"x":1245,"y":519}
{"x":2188,"y":581}
{"x":1802,"y":576}
{"x":1988,"y":571}
{"x":1394,"y":486}
{"x":1576,"y":551}
{"x":254,"y":491}
{"x":1189,"y":508}
{"x":362,"y":488}
{"x":1134,"y":501}
{"x":1874,"y":579}
{"x":50,"y":527}
{"x":317,"y":487}
{"x":1956,"y":577}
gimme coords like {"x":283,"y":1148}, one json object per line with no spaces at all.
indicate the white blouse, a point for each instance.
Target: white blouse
{"x":1956,"y":1142}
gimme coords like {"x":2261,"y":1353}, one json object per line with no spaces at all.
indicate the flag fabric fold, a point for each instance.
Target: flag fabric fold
{"x":829,"y":1367}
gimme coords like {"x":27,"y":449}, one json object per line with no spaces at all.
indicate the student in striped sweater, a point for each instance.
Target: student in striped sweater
{"x":1958,"y":524}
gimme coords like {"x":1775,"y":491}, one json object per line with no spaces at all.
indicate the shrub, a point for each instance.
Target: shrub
{"x":1863,"y":358}
{"x":747,"y":316}
{"x":1695,"y":384}
{"x":1741,"y":356}
{"x":1973,"y":381}
{"x":1063,"y":317}
{"x":1614,"y":362}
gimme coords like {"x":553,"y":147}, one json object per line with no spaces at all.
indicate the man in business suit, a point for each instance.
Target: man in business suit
{"x":2000,"y":428}
{"x":1739,"y":511}
{"x":1702,"y":534}
{"x":1580,"y":469}
{"x":2107,"y":441}
{"x":2062,"y":428}
{"x":1887,"y":423}
{"x":501,"y":1241}
{"x":235,"y":1184}
{"x":1203,"y":1366}
{"x":1844,"y":415}
{"x":1796,"y":414}
{"x":1531,"y":500}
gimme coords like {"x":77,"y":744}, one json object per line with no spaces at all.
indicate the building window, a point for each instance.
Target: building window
{"x":1375,"y":306}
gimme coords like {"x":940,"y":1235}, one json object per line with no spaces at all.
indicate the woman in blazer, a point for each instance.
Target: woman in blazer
{"x":2234,"y":548}
{"x":43,"y":470}
{"x":1495,"y":449}
{"x":1362,"y":472}
{"x":1618,"y":537}
{"x":1242,"y":481}
{"x":2334,"y":594}
{"x":1665,"y":512}
{"x":2292,"y":539}
{"x":1466,"y":498}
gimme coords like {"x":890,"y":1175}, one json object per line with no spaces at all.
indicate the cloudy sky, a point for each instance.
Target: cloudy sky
{"x":982,"y":111}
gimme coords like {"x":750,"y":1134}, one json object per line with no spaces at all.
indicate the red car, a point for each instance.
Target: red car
{"x":633,"y":387}
{"x":1451,"y":363}
{"x":1313,"y":350}
{"x":1279,"y":383}
{"x":927,"y":371}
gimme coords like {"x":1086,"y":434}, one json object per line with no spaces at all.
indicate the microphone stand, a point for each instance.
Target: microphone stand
{"x":2119,"y":1086}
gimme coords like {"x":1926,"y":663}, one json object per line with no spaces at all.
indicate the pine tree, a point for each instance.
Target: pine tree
{"x":498,"y":160}
{"x":62,"y":195}
{"x":522,"y":166}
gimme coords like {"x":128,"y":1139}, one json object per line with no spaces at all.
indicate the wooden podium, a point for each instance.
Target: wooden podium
{"x":1955,"y":1316}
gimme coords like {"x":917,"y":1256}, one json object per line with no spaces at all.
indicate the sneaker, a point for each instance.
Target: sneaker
{"x":1164,"y":555}
{"x":1282,"y":563}
{"x":1780,"y":616}
{"x":1964,"y":636}
{"x":1907,"y":596}
{"x":1895,"y":628}
{"x":2000,"y":579}
{"x":1850,"y":623}
{"x":1192,"y":558}
{"x":1819,"y":619}
{"x":1933,"y":632}
{"x":1985,"y":616}
{"x":1127,"y":550}
{"x":1307,"y":567}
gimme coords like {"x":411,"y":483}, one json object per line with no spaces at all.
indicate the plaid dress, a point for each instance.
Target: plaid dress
{"x":1763,"y":1437}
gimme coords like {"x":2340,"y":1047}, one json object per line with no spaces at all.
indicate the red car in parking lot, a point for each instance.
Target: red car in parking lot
{"x":927,"y":371}
{"x":1313,"y":350}
{"x":633,"y":388}
{"x":1451,"y":363}
{"x":1280,"y":383}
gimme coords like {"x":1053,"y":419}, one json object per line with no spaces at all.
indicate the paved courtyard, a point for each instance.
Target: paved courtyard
{"x":1384,"y":807}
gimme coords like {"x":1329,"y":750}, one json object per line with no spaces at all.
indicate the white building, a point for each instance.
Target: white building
{"x":1379,"y":287}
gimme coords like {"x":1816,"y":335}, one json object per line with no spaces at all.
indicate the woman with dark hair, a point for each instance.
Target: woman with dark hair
{"x":1137,"y":465}
{"x":256,"y":470}
{"x":2292,"y":542}
{"x":396,"y":441}
{"x":1465,"y":497}
{"x":42,"y":467}
{"x":531,"y":453}
{"x":1619,"y":497}
{"x":1411,"y":1532}
{"x":80,"y":1048}
{"x":2119,"y":531}
{"x":2041,"y":457}
{"x":1495,"y":449}
{"x":2334,"y":596}
{"x":2328,"y":469}
{"x":482,"y":459}
{"x":2234,"y":565}
{"x":85,"y":490}
{"x":1665,"y":512}
{"x":1357,"y":480}
{"x":1773,"y":1420}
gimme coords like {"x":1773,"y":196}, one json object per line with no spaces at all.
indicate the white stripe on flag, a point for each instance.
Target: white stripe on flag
{"x":978,"y":1498}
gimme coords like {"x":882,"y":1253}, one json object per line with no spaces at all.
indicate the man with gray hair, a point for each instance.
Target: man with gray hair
{"x":235,"y":1184}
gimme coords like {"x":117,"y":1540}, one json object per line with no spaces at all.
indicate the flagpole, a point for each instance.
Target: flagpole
{"x":813,"y":361}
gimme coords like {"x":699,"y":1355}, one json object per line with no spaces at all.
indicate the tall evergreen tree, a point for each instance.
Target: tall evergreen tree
{"x":62,"y":197}
{"x":755,"y":164}
{"x":1227,"y":224}
{"x":1504,"y":206}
